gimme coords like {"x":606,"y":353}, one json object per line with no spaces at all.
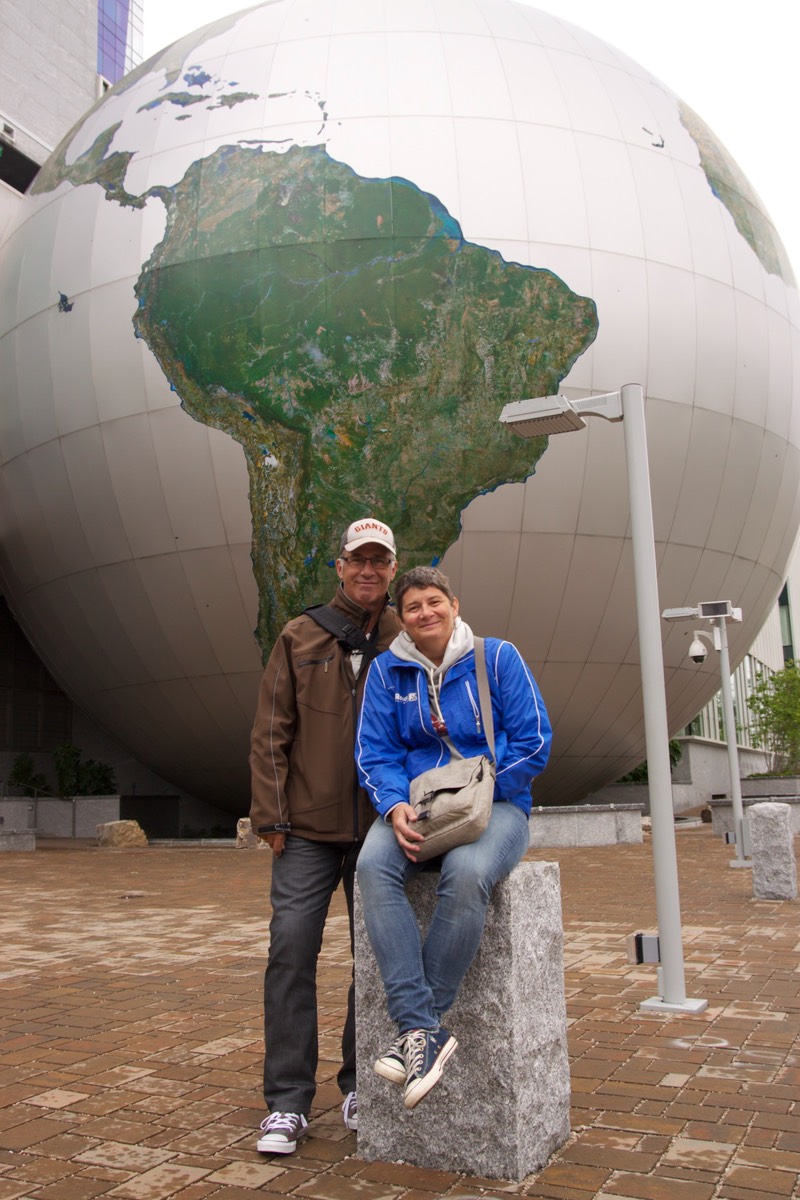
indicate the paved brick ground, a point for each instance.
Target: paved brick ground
{"x":130,"y":1048}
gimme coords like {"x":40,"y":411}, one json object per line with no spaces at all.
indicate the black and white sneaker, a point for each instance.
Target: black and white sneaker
{"x":425,"y":1051}
{"x":392,"y":1064}
{"x":280,"y":1132}
{"x":350,"y":1111}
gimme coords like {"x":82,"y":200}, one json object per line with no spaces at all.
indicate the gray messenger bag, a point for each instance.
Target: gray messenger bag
{"x":453,"y":803}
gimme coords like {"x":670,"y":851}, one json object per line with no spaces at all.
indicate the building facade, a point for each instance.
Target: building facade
{"x":56,"y":58}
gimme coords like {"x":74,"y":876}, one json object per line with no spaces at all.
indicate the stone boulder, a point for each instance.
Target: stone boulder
{"x":117,"y":835}
{"x":246,"y":839}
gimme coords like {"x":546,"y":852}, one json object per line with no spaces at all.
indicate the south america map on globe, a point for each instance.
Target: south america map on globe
{"x":340,"y":327}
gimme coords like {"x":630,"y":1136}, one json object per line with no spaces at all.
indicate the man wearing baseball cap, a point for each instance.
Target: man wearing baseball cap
{"x":306,"y":803}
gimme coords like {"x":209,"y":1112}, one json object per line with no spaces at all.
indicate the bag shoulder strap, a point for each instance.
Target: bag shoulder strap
{"x":484,"y":692}
{"x":345,"y":632}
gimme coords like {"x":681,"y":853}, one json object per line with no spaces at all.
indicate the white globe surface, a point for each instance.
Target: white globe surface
{"x":288,"y":272}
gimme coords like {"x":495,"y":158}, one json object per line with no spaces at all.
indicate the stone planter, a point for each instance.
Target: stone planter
{"x":722,"y":810}
{"x":780,"y":785}
{"x":586,"y":825}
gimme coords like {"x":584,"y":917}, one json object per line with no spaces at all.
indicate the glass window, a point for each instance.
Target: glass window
{"x":119,"y":37}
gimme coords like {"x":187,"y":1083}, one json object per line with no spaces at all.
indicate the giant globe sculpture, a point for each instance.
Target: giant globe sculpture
{"x":288,"y":273}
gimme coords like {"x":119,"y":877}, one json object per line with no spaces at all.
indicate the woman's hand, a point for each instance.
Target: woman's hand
{"x":403,"y":820}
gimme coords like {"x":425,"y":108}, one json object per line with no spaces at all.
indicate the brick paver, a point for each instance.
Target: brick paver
{"x":130,"y":1036}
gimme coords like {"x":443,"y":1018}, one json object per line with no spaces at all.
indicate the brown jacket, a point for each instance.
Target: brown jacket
{"x":301,"y":756}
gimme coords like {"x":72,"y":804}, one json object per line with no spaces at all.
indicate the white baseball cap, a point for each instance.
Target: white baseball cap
{"x":367,"y":530}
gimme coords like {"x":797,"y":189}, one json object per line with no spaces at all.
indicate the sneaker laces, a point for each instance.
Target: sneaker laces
{"x":281,"y":1122}
{"x":414,"y":1050}
{"x":397,"y":1046}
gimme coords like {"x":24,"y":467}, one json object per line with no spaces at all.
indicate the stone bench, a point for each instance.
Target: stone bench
{"x":722,"y":811}
{"x":586,"y":825}
{"x":17,"y":839}
{"x":502,"y":1106}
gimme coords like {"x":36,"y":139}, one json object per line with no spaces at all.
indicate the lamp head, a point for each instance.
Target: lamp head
{"x":541,"y":416}
{"x":555,"y":414}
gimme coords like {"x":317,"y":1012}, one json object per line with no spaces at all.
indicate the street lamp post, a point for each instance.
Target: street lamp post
{"x":718,"y":613}
{"x":556,"y":414}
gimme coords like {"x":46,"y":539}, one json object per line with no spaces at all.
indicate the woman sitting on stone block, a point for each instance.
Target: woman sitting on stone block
{"x":421,"y":710}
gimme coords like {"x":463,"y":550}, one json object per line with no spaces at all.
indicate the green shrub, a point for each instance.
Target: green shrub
{"x":77,"y":778}
{"x":639,"y":774}
{"x":775,"y":709}
{"x":25,"y":776}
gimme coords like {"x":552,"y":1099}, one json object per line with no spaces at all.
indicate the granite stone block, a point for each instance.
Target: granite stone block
{"x":502,"y":1106}
{"x":772,"y":848}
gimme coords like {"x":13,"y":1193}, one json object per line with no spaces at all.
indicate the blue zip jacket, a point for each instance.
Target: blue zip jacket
{"x":396,"y":739}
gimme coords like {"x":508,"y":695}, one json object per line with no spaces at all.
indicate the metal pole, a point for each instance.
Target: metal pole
{"x":730,"y":739}
{"x":672,"y":980}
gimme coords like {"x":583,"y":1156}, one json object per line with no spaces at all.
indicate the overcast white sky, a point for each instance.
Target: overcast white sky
{"x":734,"y":63}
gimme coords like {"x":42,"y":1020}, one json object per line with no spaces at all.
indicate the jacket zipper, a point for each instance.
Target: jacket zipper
{"x":316,"y":662}
{"x":354,"y":701}
{"x":476,"y":712}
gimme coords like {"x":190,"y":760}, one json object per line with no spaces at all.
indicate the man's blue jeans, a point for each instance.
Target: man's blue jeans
{"x":422,"y":980}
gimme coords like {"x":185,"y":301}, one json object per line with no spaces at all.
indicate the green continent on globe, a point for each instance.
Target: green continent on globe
{"x":95,"y":165}
{"x":360,"y":350}
{"x":189,"y":100}
{"x":731,"y":187}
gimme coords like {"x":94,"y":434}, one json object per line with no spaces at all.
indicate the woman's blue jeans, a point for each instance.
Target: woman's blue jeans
{"x":422,"y":979}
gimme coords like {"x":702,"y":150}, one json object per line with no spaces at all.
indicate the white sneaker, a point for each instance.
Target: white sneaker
{"x":392,"y":1065}
{"x":280,"y":1132}
{"x":350,"y":1111}
{"x":426,"y":1051}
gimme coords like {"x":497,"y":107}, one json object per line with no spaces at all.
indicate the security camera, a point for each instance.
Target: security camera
{"x":697,"y":651}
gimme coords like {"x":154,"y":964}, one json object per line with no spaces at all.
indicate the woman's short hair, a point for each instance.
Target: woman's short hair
{"x":421,"y":577}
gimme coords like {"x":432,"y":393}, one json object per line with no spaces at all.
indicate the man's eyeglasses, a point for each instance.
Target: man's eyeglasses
{"x":357,"y":561}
